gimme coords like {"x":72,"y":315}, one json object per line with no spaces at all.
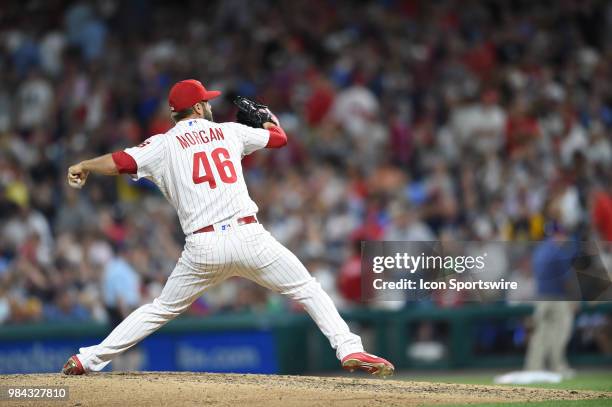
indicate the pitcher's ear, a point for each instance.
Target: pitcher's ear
{"x":199,"y":108}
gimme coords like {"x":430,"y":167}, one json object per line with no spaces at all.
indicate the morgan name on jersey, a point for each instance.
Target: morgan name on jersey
{"x":200,"y":137}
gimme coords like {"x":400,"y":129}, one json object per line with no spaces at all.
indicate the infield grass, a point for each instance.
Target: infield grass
{"x":562,"y":403}
{"x":591,"y":380}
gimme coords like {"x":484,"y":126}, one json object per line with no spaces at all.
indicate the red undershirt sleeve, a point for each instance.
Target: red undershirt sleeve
{"x":125,"y":163}
{"x":278,"y":138}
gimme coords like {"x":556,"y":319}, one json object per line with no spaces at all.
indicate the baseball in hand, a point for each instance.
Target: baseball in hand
{"x":75,"y":183}
{"x":77,"y":176}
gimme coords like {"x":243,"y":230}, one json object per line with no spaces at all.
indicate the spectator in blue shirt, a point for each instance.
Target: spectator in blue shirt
{"x":65,"y":308}
{"x":552,"y":264}
{"x":121,"y":287}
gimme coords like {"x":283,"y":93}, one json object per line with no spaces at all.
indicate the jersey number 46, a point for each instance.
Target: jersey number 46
{"x":202,"y":171}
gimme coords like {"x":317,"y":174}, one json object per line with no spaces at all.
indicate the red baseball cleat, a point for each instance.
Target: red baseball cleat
{"x":73,"y":366}
{"x":368,"y":363}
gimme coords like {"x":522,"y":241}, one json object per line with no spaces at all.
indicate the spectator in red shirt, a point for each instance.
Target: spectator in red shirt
{"x":601,"y":214}
{"x":521,"y":128}
{"x":320,"y":101}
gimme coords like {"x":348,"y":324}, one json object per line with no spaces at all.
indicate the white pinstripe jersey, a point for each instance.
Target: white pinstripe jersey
{"x":197,"y":166}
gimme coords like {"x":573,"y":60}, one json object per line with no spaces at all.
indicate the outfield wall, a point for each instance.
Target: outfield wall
{"x":288,"y":344}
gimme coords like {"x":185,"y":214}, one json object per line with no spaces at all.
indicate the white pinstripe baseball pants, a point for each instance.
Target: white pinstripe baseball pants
{"x":209,"y":258}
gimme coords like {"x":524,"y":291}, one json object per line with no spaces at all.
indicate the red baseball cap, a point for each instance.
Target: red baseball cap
{"x":187,"y":93}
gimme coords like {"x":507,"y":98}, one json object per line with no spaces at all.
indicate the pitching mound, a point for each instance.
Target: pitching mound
{"x":197,"y":389}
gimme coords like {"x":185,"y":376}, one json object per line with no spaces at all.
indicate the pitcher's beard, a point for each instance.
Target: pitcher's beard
{"x":208,"y":116}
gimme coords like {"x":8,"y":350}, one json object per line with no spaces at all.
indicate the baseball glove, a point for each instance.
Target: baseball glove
{"x":251,"y":113}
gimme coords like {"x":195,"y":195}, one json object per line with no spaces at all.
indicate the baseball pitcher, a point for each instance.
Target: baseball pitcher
{"x":197,"y":166}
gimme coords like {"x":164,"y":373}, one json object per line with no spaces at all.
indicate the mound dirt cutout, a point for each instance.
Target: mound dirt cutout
{"x":198,"y":389}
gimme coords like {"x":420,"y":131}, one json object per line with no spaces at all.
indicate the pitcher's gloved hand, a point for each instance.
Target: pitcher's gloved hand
{"x":252,"y":113}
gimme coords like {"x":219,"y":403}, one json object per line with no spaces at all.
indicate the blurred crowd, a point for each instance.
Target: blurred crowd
{"x":408,"y":120}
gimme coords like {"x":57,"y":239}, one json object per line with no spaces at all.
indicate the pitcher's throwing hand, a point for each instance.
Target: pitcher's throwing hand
{"x":77,"y":176}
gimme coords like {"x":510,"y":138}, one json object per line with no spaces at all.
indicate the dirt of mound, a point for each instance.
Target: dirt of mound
{"x":197,"y":389}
